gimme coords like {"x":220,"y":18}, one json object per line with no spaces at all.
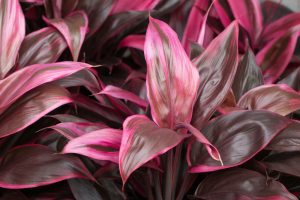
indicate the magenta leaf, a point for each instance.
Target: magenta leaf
{"x":217,"y":67}
{"x":280,"y":99}
{"x":41,"y":46}
{"x":123,"y":94}
{"x":73,"y":28}
{"x":11,"y":34}
{"x":133,"y":41}
{"x":276,"y":55}
{"x":142,"y":141}
{"x":288,"y":139}
{"x":249,"y":15}
{"x":100,"y":145}
{"x":26,"y":79}
{"x":248,"y":75}
{"x":73,"y":130}
{"x":136,"y":5}
{"x":238,"y":136}
{"x":279,"y":27}
{"x":31,"y":107}
{"x":223,"y":9}
{"x":241,"y":184}
{"x":169,"y":68}
{"x":36,"y":165}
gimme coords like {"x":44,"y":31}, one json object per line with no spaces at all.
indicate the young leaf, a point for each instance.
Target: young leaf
{"x":142,"y":141}
{"x":31,"y":166}
{"x":243,"y":184}
{"x":41,"y":46}
{"x":217,"y":66}
{"x":249,"y":15}
{"x":170,"y":95}
{"x":12,"y":33}
{"x":248,"y":75}
{"x":238,"y":136}
{"x":73,"y":28}
{"x":100,"y":144}
{"x":31,"y":107}
{"x":280,"y":99}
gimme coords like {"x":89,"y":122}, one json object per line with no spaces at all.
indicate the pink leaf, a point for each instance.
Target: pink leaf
{"x":11,"y":34}
{"x":100,"y":145}
{"x":217,"y":67}
{"x":171,"y":96}
{"x":249,"y":15}
{"x":120,"y":93}
{"x":280,"y":99}
{"x":142,"y":141}
{"x":133,"y":41}
{"x":24,"y":80}
{"x":73,"y":28}
{"x":276,"y":55}
{"x":136,"y":5}
{"x":31,"y":107}
{"x":41,"y":46}
{"x":24,"y":167}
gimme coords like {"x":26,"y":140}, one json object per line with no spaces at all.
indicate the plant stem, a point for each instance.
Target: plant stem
{"x":169,"y":176}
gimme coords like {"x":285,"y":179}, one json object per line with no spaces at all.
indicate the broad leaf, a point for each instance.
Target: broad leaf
{"x":243,"y":184}
{"x":41,"y":46}
{"x":248,"y":75}
{"x":170,"y":95}
{"x":73,"y":28}
{"x":217,"y":66}
{"x":288,"y":139}
{"x":276,"y":55}
{"x":142,"y":141}
{"x":31,"y":107}
{"x":12,"y":33}
{"x":137,"y":5}
{"x":286,"y":162}
{"x":249,"y":15}
{"x":100,"y":144}
{"x":84,"y":190}
{"x":238,"y":136}
{"x":280,"y":99}
{"x":31,"y":166}
{"x":24,"y":80}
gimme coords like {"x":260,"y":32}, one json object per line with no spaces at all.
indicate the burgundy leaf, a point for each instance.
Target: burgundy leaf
{"x":288,"y":139}
{"x":279,"y":27}
{"x":217,"y":66}
{"x":41,"y":46}
{"x":31,"y":107}
{"x":22,"y":81}
{"x":276,"y":55}
{"x":137,"y":5}
{"x":169,"y":68}
{"x":123,"y":94}
{"x":142,"y":141}
{"x":73,"y":28}
{"x":280,"y":99}
{"x":133,"y":41}
{"x":286,"y":162}
{"x":97,"y":11}
{"x":72,"y":130}
{"x":100,"y":144}
{"x":238,"y":136}
{"x":249,"y":15}
{"x":248,"y":75}
{"x":11,"y":34}
{"x":241,"y":184}
{"x":35,"y":165}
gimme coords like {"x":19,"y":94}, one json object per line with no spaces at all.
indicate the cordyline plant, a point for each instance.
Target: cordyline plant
{"x":149,"y":99}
